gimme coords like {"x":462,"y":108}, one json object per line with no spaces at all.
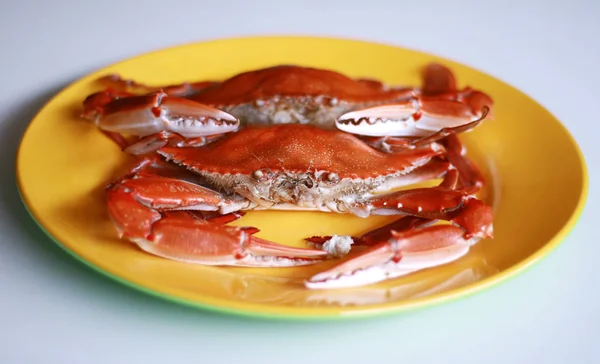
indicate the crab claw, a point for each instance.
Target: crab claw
{"x":154,"y":212}
{"x":403,"y":253}
{"x":412,"y":118}
{"x":432,"y":112}
{"x":153,"y":113}
{"x":412,"y":243}
{"x":199,"y":242}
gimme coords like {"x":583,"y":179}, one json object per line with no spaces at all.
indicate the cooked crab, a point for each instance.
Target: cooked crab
{"x":308,"y":140}
{"x":189,"y":113}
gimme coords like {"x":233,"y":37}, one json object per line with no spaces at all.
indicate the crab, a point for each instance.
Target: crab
{"x":297,"y":138}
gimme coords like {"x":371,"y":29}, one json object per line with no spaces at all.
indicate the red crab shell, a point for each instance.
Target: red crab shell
{"x":295,"y":149}
{"x":302,"y":166}
{"x":295,"y":94}
{"x":297,"y":81}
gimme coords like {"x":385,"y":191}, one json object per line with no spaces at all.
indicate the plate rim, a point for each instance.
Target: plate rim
{"x":288,"y":313}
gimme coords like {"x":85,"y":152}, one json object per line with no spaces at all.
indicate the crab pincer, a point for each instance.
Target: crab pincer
{"x":155,"y":212}
{"x":437,"y":110}
{"x":196,"y":241}
{"x":413,"y":243}
{"x":158,"y":116}
{"x":401,"y":254}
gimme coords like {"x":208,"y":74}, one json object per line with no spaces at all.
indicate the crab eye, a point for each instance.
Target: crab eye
{"x":258,"y":174}
{"x":333,"y":177}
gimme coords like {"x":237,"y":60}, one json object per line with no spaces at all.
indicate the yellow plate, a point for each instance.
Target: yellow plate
{"x":537,"y":175}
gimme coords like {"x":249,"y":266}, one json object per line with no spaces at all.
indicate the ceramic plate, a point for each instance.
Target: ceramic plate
{"x":64,"y":164}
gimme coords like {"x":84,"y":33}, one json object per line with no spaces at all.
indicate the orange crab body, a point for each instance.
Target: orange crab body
{"x":303,"y":167}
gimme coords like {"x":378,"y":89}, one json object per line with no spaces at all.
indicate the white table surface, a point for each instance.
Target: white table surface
{"x":54,"y":310}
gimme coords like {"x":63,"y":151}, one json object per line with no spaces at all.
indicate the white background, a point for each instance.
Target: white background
{"x":54,"y":310}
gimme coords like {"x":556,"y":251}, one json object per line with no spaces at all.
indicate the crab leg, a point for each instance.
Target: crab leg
{"x":418,"y":246}
{"x":385,"y":232}
{"x":469,"y":175}
{"x":94,"y":104}
{"x":215,"y":218}
{"x":382,"y":233}
{"x":185,"y":89}
{"x":437,"y":80}
{"x":411,"y":244}
{"x":406,"y":223}
{"x":153,"y":165}
{"x":154,"y":142}
{"x":147,"y":211}
{"x":439,"y":203}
